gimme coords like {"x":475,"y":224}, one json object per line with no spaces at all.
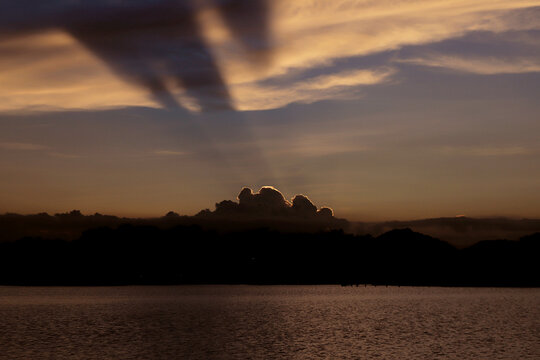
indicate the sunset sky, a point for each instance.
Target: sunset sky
{"x":382,"y":110}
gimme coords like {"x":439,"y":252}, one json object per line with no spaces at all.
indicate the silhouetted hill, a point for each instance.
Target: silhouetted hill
{"x":267,"y":208}
{"x":459,"y":231}
{"x":190,"y":254}
{"x":261,"y":238}
{"x":14,"y":226}
{"x":67,"y":226}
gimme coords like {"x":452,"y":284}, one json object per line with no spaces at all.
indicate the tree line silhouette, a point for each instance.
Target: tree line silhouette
{"x":190,"y":254}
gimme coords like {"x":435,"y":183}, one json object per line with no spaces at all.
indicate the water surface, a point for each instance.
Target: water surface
{"x":269,"y":322}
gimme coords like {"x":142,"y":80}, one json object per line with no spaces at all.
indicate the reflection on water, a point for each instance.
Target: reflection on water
{"x":269,"y":322}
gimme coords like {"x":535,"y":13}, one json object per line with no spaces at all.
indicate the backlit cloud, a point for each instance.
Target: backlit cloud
{"x":239,"y":54}
{"x":269,"y":203}
{"x":53,"y":71}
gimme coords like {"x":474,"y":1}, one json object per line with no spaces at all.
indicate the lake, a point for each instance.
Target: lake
{"x":269,"y":322}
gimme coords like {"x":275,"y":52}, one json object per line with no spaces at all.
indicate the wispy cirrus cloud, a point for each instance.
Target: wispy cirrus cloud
{"x":61,"y":155}
{"x":314,"y":34}
{"x":220,"y":54}
{"x":41,"y":149}
{"x":22,"y":146}
{"x":169,"y":152}
{"x":156,"y":46}
{"x":486,"y":150}
{"x":341,"y":85}
{"x":478,"y":65}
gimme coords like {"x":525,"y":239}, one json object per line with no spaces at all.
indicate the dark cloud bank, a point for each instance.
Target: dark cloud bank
{"x":268,"y":202}
{"x":268,"y":208}
{"x":149,"y":42}
{"x":262,"y":238}
{"x":265,"y":209}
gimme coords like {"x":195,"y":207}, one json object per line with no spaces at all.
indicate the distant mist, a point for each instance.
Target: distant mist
{"x":459,"y":231}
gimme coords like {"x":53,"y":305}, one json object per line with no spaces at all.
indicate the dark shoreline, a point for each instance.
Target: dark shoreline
{"x":272,"y":285}
{"x":146,"y":255}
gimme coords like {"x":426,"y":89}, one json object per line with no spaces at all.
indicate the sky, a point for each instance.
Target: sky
{"x":381,"y":110}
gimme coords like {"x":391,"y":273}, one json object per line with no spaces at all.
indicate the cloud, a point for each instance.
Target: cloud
{"x":302,"y":206}
{"x":269,"y":203}
{"x":51,"y":71}
{"x":155,"y":45}
{"x":170,"y":152}
{"x":18,"y":146}
{"x":314,"y":34}
{"x":478,"y":65}
{"x":267,"y":200}
{"x":301,"y":143}
{"x":487,"y":150}
{"x":64,"y":156}
{"x":223,"y":54}
{"x":21,"y":146}
{"x":341,"y":85}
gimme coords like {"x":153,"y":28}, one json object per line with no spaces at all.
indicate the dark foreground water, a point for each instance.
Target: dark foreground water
{"x":269,"y":322}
